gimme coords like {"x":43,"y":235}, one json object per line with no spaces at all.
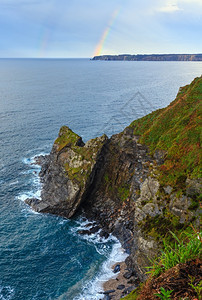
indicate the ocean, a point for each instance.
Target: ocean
{"x":42,"y":256}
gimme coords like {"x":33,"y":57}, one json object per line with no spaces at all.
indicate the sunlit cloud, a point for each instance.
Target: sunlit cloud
{"x":169,"y":7}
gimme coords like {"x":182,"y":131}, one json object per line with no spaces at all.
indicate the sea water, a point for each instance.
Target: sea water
{"x":42,"y":256}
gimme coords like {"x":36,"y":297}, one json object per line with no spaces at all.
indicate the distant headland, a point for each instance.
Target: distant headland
{"x":151,"y":57}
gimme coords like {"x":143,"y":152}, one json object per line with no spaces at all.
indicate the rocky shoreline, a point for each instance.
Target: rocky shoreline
{"x":136,"y":192}
{"x":124,"y":283}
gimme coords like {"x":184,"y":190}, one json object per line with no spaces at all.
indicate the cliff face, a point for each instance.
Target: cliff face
{"x":138,"y":184}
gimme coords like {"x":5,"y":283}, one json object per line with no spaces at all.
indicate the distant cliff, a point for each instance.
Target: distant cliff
{"x":151,"y":57}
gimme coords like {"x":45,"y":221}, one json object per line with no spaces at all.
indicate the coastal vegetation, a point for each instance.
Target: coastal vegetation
{"x":144,"y":186}
{"x":176,"y":130}
{"x":166,"y":271}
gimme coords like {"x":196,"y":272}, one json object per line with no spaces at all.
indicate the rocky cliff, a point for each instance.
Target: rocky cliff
{"x":151,"y":57}
{"x":139,"y":184}
{"x":68,"y":173}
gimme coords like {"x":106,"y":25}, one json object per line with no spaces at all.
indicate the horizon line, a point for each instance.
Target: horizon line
{"x":100,"y":56}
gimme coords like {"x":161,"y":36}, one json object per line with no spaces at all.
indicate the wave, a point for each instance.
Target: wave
{"x":112,"y":253}
{"x":6,"y":293}
{"x":32,"y":179}
{"x":93,"y":289}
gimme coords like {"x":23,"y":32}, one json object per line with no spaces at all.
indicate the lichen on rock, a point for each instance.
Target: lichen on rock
{"x":68,"y":173}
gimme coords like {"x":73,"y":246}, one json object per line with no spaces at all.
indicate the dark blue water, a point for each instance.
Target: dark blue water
{"x":42,"y":256}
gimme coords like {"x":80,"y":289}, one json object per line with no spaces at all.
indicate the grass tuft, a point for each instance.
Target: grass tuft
{"x":188,"y":246}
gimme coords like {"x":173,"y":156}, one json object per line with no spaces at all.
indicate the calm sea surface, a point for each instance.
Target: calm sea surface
{"x":42,"y":256}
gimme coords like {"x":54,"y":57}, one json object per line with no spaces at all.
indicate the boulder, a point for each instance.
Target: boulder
{"x":116,"y":269}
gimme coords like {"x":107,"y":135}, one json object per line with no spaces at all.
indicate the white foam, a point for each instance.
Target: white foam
{"x":92,"y":289}
{"x":32,"y":160}
{"x":29,"y":194}
{"x":6,"y":293}
{"x":63,"y":221}
{"x":34,"y":170}
{"x":93,"y":238}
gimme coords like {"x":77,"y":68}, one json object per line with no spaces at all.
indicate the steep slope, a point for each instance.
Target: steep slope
{"x":139,"y":185}
{"x":177,"y":130}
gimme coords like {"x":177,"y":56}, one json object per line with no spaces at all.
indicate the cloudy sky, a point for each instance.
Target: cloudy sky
{"x":83,"y":28}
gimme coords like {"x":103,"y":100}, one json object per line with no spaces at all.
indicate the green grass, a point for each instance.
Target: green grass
{"x":186,"y":247}
{"x":123,"y":192}
{"x":177,"y":130}
{"x":196,"y":287}
{"x":164,"y":295}
{"x":66,"y":137}
{"x":134,"y":294}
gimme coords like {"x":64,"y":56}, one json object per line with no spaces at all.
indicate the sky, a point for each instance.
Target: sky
{"x":84,"y":28}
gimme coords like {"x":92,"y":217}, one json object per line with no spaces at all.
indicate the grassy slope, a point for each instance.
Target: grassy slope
{"x":176,"y":129}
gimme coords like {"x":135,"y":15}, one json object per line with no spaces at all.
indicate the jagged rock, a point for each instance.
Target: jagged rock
{"x":147,"y":204}
{"x":36,"y":204}
{"x":68,"y":173}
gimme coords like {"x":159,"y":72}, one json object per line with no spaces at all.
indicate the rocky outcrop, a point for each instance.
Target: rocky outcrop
{"x":138,"y":185}
{"x":68,"y":173}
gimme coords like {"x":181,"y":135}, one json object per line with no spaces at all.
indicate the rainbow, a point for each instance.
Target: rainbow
{"x":100,"y":45}
{"x":44,"y":41}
